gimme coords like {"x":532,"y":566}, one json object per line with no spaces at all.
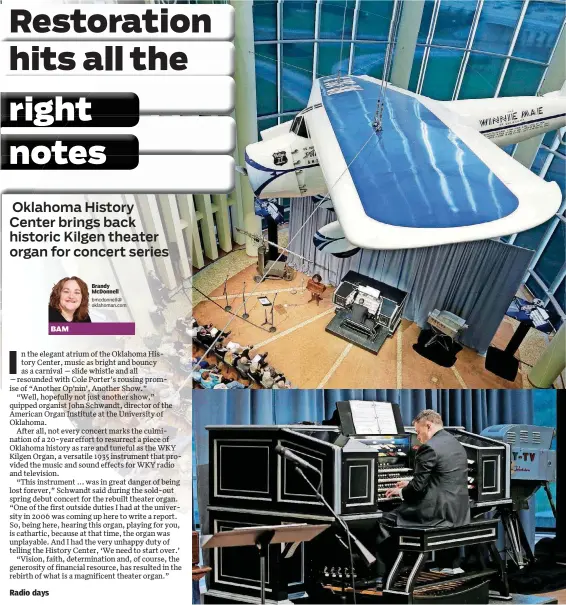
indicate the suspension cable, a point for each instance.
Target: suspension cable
{"x":342,"y":41}
{"x":392,"y":36}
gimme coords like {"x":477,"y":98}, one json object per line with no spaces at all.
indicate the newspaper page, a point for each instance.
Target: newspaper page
{"x":116,"y":131}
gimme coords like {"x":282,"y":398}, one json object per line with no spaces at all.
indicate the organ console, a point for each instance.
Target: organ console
{"x":367,"y":311}
{"x":251,"y":484}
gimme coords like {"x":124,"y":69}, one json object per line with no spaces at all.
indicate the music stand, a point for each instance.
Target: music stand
{"x":262,"y":537}
{"x":265,"y":302}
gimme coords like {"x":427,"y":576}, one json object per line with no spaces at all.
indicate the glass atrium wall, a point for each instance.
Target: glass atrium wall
{"x":465,"y":49}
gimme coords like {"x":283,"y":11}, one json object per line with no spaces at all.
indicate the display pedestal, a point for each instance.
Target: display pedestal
{"x":441,"y":352}
{"x":504,"y":363}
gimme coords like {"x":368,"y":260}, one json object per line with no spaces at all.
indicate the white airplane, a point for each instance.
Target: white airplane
{"x":424,"y":173}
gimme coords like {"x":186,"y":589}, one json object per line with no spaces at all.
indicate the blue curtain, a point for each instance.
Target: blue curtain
{"x":473,"y":409}
{"x":474,"y":280}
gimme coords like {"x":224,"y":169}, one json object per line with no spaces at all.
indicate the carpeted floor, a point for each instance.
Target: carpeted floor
{"x":312,"y":358}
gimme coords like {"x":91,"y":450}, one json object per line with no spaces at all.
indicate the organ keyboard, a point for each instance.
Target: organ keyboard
{"x":250,"y":484}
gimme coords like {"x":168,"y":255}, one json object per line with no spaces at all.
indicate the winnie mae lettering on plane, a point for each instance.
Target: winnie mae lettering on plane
{"x":511,"y":116}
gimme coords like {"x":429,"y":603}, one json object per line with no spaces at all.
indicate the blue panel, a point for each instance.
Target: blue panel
{"x":454,"y":22}
{"x":557,"y":172}
{"x":545,"y":415}
{"x":374,"y":19}
{"x":265,"y":19}
{"x":425,"y":21}
{"x":549,"y":138}
{"x":369,"y":60}
{"x":416,"y":172}
{"x":521,"y":79}
{"x":497,"y":25}
{"x":298,"y":19}
{"x":296,"y":83}
{"x":560,"y":296}
{"x":266,"y":78}
{"x":534,"y":287}
{"x":332,"y":21}
{"x":531,"y":239}
{"x":329,"y":58}
{"x":441,"y":73}
{"x":481,"y":77}
{"x":416,"y":68}
{"x":554,"y":255}
{"x":196,"y":519}
{"x":539,"y":31}
{"x":539,"y":160}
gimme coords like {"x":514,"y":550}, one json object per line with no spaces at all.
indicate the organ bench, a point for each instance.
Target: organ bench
{"x":415,"y":586}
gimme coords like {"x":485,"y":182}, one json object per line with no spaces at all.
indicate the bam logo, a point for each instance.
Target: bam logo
{"x":280,"y":158}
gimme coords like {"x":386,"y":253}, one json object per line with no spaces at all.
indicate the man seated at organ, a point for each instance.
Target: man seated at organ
{"x":437,"y":495}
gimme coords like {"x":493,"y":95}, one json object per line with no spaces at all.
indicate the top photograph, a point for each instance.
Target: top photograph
{"x":398,"y":219}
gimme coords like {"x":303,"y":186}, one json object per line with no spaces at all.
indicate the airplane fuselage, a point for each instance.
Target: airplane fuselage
{"x":285,"y":163}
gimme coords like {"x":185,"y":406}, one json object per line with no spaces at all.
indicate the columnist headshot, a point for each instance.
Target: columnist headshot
{"x":69,"y":301}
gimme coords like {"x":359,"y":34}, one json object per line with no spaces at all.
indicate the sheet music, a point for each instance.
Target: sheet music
{"x":373,"y":418}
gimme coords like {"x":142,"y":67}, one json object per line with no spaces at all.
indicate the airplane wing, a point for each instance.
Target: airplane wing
{"x":425,"y":179}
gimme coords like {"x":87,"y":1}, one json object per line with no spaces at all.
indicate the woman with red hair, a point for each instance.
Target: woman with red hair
{"x":69,"y":301}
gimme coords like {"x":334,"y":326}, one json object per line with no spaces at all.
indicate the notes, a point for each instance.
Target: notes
{"x":373,"y":418}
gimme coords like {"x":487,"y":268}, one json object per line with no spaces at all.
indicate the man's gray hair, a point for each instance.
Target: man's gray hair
{"x":429,"y":416}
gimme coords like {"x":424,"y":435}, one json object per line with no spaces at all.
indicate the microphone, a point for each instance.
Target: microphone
{"x":292,"y":457}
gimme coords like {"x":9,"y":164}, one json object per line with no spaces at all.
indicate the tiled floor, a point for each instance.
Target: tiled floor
{"x":559,"y":595}
{"x":311,"y":358}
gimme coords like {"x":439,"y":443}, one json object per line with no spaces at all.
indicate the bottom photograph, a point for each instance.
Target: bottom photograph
{"x":378,"y":496}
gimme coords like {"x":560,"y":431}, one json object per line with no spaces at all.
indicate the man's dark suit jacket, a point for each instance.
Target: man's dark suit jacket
{"x":438,"y":493}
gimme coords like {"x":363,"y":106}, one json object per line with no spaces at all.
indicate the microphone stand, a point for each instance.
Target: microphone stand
{"x":273,"y":328}
{"x":228,"y":307}
{"x":245,"y":315}
{"x":369,"y":558}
